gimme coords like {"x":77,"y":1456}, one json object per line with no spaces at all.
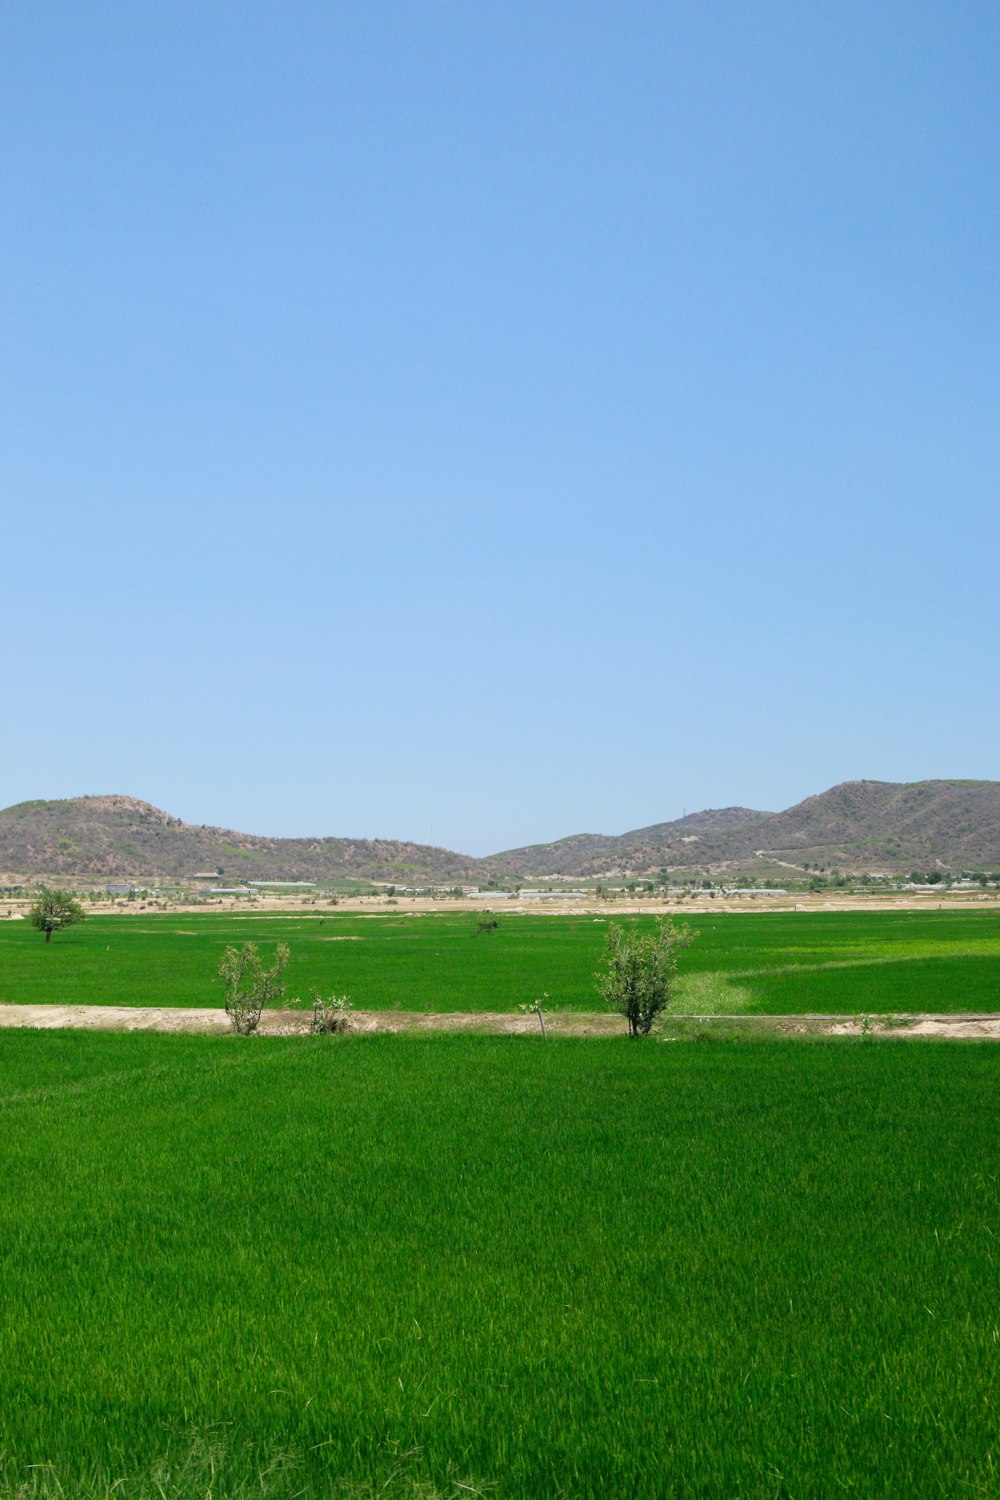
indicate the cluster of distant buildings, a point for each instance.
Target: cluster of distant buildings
{"x":129,"y":888}
{"x":198,"y":886}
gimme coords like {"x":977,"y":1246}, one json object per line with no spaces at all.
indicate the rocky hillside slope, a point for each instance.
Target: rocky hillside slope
{"x":698,"y":839}
{"x":121,"y":836}
{"x":857,"y":826}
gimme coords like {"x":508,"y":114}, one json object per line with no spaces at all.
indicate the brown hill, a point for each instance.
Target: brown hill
{"x":699,"y":838}
{"x":952,"y":825}
{"x":121,"y":836}
{"x":857,"y":826}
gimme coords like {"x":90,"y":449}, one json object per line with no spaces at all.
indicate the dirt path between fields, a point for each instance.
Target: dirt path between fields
{"x":295,"y":1022}
{"x":558,"y":1023}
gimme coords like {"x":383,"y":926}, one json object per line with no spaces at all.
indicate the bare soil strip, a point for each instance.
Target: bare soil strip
{"x":590,"y":905}
{"x":293,"y":1022}
{"x":557,"y":1023}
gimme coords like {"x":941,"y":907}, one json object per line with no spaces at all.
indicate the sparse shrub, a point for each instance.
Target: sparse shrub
{"x":535,"y":1007}
{"x":487,"y":924}
{"x":249,"y":986}
{"x":329,"y":1015}
{"x":639,"y":971}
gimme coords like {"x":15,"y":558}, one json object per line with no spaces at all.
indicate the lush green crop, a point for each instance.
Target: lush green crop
{"x":581,"y":1268}
{"x":754,"y":962}
{"x":844,"y":962}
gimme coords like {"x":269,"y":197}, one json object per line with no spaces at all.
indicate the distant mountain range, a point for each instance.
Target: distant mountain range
{"x":121,"y":836}
{"x":857,"y":826}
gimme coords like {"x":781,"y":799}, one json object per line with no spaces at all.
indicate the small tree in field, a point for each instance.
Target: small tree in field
{"x":535,"y":1008}
{"x":639,"y":969}
{"x":249,"y":986}
{"x":52,"y":910}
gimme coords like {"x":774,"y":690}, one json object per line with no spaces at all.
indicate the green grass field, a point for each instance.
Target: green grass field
{"x":395,"y":1266}
{"x":755,"y":962}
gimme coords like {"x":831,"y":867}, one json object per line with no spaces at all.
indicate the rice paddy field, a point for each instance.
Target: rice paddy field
{"x":453,"y":1265}
{"x":753,"y":963}
{"x":456,"y":1265}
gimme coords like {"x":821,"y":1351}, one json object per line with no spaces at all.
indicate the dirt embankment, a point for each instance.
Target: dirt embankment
{"x":294,"y":1022}
{"x":557,"y":1023}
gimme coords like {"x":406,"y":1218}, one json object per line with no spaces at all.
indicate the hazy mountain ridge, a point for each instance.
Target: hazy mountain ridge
{"x":691,"y":839}
{"x":858,"y":825}
{"x":123,"y":836}
{"x":954,"y":824}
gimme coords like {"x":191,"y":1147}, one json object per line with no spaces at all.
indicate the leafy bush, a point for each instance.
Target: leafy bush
{"x":329,"y":1015}
{"x":249,"y":986}
{"x":639,"y":971}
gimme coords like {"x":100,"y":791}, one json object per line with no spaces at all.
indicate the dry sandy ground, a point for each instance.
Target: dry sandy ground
{"x":375,"y":906}
{"x":591,"y":906}
{"x":292,"y":1022}
{"x":559,"y":1023}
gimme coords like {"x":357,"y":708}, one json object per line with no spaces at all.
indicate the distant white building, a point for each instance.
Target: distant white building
{"x":281,"y":885}
{"x":554,"y":895}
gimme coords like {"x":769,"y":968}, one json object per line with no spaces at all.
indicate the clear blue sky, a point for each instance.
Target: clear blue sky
{"x":480,"y":423}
